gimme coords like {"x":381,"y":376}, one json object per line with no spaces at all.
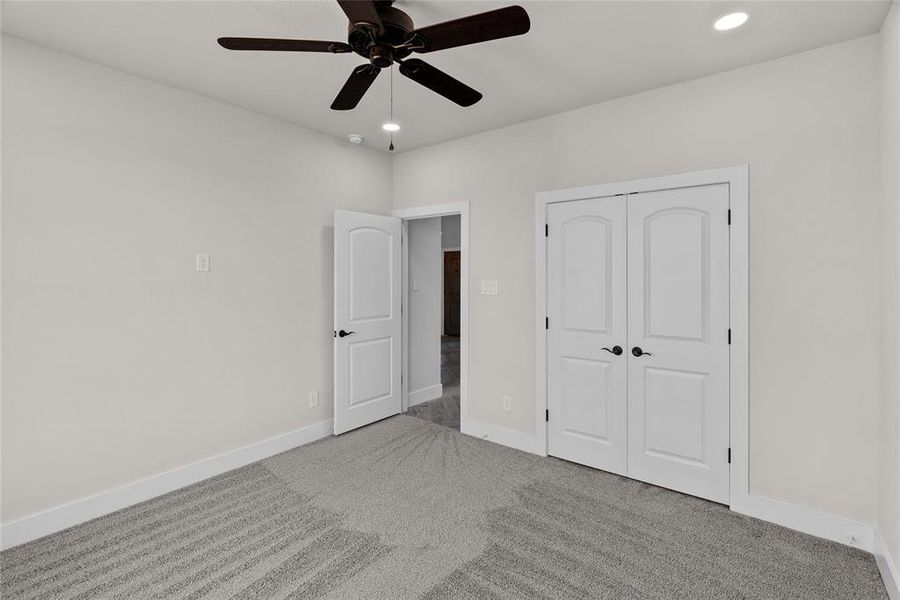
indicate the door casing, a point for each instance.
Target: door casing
{"x":737,"y":179}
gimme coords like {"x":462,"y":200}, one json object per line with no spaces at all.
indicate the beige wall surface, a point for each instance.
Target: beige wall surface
{"x":423,"y":306}
{"x":808,"y":127}
{"x":889,"y":417}
{"x":117,"y":354}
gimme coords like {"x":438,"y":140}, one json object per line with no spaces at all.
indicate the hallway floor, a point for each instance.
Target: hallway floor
{"x":444,"y":410}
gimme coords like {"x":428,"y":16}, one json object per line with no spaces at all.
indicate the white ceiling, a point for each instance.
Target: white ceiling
{"x":577,"y":53}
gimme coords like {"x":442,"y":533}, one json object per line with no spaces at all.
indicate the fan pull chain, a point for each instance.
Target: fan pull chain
{"x":391,"y":147}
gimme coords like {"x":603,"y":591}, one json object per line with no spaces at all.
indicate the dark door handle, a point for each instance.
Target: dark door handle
{"x":343,"y":333}
{"x":617,"y":350}
{"x":638,"y":352}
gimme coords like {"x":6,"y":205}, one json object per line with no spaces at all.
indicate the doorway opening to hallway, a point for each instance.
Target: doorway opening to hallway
{"x":434,"y":265}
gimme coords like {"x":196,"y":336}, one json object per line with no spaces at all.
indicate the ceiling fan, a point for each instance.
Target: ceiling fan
{"x":384,"y":35}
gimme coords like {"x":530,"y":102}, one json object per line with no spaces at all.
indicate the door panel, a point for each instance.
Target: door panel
{"x":585,"y":398}
{"x":676,"y":277}
{"x":586,"y":283}
{"x":678,"y":315}
{"x":370,"y":370}
{"x":371,"y":253}
{"x":366,"y":304}
{"x":586,"y":310}
{"x":674,"y":409}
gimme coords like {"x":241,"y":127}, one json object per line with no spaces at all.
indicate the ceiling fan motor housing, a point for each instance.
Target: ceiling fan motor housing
{"x":381,"y":49}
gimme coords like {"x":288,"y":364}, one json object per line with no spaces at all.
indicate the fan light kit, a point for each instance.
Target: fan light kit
{"x":390,"y":127}
{"x":384,"y":35}
{"x":731,"y":21}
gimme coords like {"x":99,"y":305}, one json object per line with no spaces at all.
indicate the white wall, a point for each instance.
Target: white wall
{"x":425,"y":265}
{"x":808,"y":127}
{"x":450,"y":231}
{"x":119,"y":360}
{"x":889,"y":418}
{"x":112,"y":183}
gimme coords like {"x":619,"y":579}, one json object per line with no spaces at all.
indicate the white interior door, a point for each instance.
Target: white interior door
{"x":678,"y":340}
{"x":586,"y":337}
{"x":367,"y":277}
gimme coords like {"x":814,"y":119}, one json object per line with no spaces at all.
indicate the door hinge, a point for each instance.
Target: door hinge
{"x":729,"y":336}
{"x":546,"y":230}
{"x":547,"y":415}
{"x":729,"y":216}
{"x":546,"y":322}
{"x":729,"y":456}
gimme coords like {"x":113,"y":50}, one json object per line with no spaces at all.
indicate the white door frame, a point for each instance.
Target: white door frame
{"x":424,"y":212}
{"x":739,"y":302}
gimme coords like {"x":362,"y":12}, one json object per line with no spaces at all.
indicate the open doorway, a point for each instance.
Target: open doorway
{"x":434,"y":316}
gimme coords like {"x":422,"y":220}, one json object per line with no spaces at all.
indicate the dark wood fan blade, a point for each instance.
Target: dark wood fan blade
{"x":241,"y":43}
{"x":362,"y":11}
{"x":491,"y":25}
{"x":355,"y":88}
{"x":439,"y":82}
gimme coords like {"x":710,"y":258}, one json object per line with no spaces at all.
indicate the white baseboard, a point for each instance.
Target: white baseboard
{"x":65,"y":516}
{"x":500,"y":435}
{"x":823,"y":525}
{"x":889,"y":571}
{"x":34,"y":526}
{"x":426,"y":394}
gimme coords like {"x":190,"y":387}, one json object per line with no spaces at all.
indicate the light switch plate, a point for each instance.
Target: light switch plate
{"x":417,"y":284}
{"x":507,"y":403}
{"x":489,"y":287}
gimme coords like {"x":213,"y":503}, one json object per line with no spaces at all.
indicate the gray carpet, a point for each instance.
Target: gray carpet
{"x":408,"y":509}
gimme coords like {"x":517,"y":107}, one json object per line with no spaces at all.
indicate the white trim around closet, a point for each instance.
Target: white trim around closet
{"x":831,"y":527}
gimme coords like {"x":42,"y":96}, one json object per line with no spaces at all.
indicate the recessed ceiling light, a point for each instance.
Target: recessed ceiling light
{"x":390,"y":127}
{"x":355,"y":138}
{"x":731,"y":21}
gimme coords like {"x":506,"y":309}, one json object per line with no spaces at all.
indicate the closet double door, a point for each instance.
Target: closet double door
{"x":637,"y":336}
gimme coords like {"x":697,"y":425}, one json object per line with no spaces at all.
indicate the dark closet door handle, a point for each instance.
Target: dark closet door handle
{"x":343,"y":333}
{"x":617,"y":350}
{"x":638,"y":352}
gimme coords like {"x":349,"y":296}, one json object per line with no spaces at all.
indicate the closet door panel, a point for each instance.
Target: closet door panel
{"x":586,"y":300}
{"x":678,"y":405}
